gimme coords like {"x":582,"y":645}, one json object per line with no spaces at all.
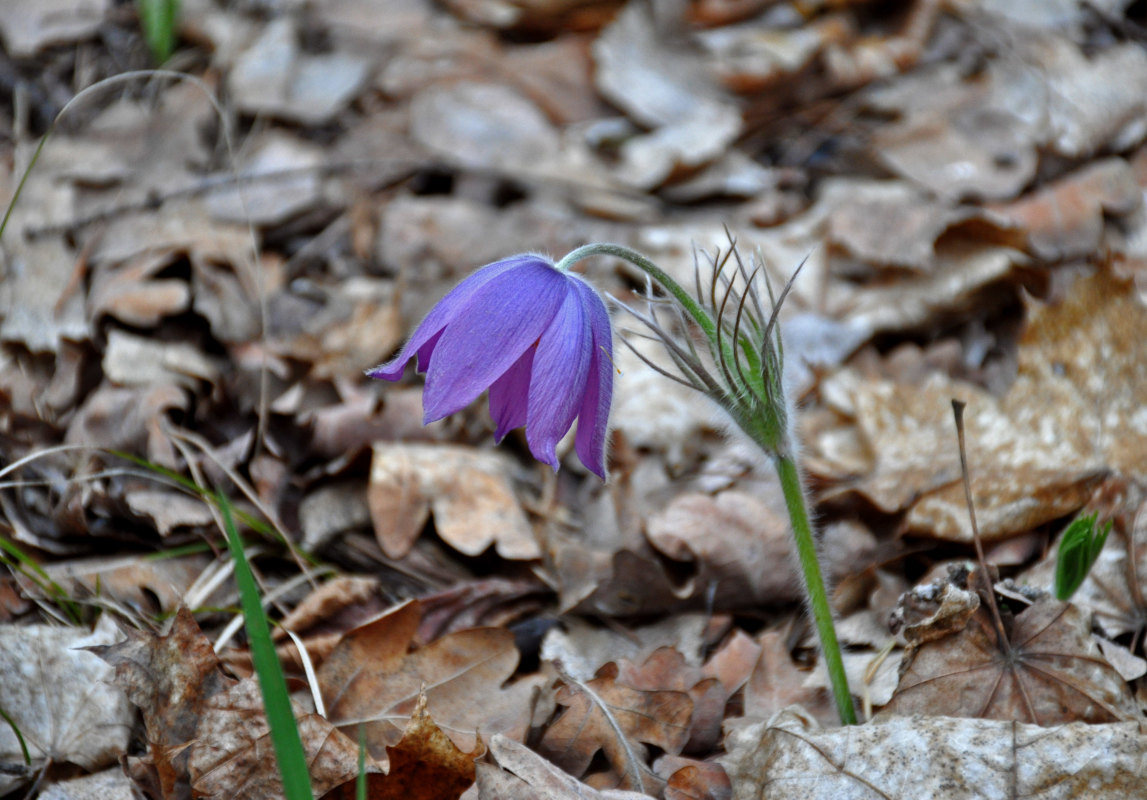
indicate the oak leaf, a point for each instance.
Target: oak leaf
{"x":603,"y":714}
{"x":373,"y":677}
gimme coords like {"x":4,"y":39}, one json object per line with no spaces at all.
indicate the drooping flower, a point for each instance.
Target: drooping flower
{"x":538,"y":338}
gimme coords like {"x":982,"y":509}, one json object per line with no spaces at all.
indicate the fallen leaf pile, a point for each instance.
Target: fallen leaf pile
{"x":198,"y":267}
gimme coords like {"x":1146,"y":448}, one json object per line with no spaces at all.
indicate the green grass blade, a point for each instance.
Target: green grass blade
{"x":20,"y":737}
{"x":276,"y":701}
{"x":35,"y":573}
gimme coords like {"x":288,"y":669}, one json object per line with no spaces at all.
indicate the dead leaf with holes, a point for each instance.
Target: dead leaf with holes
{"x":605,"y":715}
{"x":373,"y":677}
{"x":1048,"y":671}
{"x":56,"y":695}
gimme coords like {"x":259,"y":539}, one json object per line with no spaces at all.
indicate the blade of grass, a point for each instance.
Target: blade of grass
{"x":24,"y":746}
{"x":27,"y":565}
{"x":276,"y":701}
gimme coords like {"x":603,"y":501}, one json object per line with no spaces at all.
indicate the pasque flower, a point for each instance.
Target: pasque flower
{"x":538,"y":338}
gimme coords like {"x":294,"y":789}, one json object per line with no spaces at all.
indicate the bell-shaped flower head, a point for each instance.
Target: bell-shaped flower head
{"x":539,"y":339}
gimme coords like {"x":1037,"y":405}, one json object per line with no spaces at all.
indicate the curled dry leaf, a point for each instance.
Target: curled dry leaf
{"x":170,"y":678}
{"x":58,"y":697}
{"x":605,"y":715}
{"x":373,"y":677}
{"x":935,"y":757}
{"x":524,"y":775}
{"x":1065,"y":219}
{"x":686,"y":779}
{"x":468,"y":492}
{"x":1049,"y":672}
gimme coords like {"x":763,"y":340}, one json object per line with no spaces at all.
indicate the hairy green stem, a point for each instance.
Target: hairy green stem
{"x":652,"y":270}
{"x":814,"y":586}
{"x":767,"y":427}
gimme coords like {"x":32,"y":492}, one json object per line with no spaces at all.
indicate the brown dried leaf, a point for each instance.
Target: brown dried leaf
{"x":686,"y":779}
{"x":1051,"y":673}
{"x":1065,"y":219}
{"x":605,"y":715}
{"x":233,"y":756}
{"x":776,"y":682}
{"x":666,"y":668}
{"x":468,"y":492}
{"x":424,"y":765}
{"x":170,"y":678}
{"x":737,"y":542}
{"x":1082,"y":375}
{"x":373,"y":677}
{"x":1020,"y":478}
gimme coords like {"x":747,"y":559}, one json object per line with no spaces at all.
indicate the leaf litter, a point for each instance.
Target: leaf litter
{"x":967,"y":184}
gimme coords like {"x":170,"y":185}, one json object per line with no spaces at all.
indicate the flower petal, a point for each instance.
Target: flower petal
{"x":508,"y":395}
{"x":425,"y":336}
{"x":593,"y":415}
{"x":557,"y":384}
{"x":491,"y":332}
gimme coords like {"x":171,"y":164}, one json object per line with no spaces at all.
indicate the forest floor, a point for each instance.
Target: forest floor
{"x":202,"y":261}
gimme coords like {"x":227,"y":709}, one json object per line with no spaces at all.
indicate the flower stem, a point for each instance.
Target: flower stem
{"x":814,"y":585}
{"x":766,"y":426}
{"x":653,"y":271}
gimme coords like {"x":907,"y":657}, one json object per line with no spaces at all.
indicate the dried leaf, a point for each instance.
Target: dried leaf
{"x":605,"y":715}
{"x":1065,"y":220}
{"x":58,"y":697}
{"x":930,"y":756}
{"x":1051,"y":673}
{"x":171,"y":678}
{"x":468,"y":492}
{"x":374,"y":678}
{"x":524,"y":775}
{"x":736,"y":542}
{"x":233,"y":755}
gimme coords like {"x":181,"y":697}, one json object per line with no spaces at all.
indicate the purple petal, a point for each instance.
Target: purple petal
{"x":593,"y":415}
{"x":508,"y":395}
{"x":558,"y":380}
{"x":485,"y":337}
{"x":425,"y":336}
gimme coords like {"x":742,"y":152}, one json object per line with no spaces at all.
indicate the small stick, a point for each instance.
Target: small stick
{"x":958,"y":411}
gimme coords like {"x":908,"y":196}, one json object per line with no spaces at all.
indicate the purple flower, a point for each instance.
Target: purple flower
{"x":538,"y":339}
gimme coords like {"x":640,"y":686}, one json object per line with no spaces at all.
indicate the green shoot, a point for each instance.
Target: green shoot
{"x":276,"y":701}
{"x":19,"y":736}
{"x":1079,"y":547}
{"x":159,"y":20}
